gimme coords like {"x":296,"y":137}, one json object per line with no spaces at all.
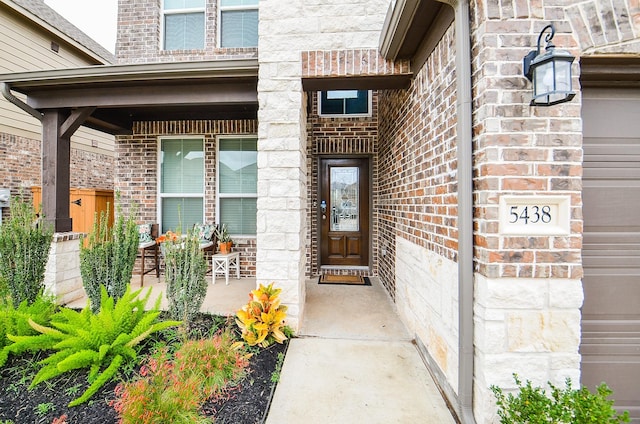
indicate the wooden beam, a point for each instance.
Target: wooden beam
{"x":56,"y":161}
{"x":145,"y":95}
{"x":75,"y":120}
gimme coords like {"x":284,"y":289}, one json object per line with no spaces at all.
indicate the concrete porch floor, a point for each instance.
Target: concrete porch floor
{"x":220,"y":299}
{"x":352,"y":362}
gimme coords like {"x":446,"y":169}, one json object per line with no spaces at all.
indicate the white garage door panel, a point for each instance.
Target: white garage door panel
{"x":610,"y":345}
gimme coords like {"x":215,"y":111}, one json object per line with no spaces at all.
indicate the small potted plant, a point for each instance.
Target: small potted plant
{"x":224,"y":239}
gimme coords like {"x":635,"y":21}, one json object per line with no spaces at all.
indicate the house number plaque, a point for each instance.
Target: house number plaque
{"x":534,"y":215}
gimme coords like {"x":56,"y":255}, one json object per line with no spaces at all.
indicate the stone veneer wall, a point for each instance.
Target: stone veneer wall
{"x":62,"y":277}
{"x":339,"y":137}
{"x":136,"y":172}
{"x":288,"y":28}
{"x":418,"y":206}
{"x":140,"y":36}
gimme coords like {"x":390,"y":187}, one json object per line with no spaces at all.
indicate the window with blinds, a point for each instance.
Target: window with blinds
{"x":238,"y":184}
{"x":184,"y":24}
{"x":181,"y":188}
{"x":238,"y":23}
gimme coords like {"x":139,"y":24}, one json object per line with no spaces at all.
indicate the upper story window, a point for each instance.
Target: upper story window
{"x":345,"y":103}
{"x":183,"y":23}
{"x":238,"y":23}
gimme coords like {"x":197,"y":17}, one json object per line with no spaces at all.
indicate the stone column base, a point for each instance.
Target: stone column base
{"x":62,"y":274}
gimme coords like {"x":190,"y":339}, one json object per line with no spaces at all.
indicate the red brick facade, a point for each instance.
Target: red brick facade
{"x":137,"y":170}
{"x":519,"y":149}
{"x":359,"y":62}
{"x":417,"y":157}
{"x":339,"y":137}
{"x":140,"y":38}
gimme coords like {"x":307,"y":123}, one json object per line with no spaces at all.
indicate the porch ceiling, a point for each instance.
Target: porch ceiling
{"x":122,"y":94}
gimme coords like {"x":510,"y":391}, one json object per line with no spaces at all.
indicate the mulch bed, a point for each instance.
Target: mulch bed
{"x":247,"y":403}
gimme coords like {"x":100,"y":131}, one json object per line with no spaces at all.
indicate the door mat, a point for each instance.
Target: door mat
{"x":351,"y":280}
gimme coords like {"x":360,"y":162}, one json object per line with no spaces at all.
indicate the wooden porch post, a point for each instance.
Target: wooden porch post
{"x":56,"y":160}
{"x":57,"y":128}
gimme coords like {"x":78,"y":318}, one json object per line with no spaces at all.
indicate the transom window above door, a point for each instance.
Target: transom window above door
{"x":181,"y":183}
{"x":351,"y":103}
{"x":238,"y":23}
{"x":183,"y":24}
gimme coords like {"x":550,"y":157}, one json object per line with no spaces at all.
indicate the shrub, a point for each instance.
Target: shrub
{"x":108,"y":257}
{"x":262,"y":319}
{"x":24,"y":250}
{"x":16,"y":321}
{"x":101,"y":342}
{"x":185,"y":269}
{"x":173,"y":389}
{"x":532,"y":405}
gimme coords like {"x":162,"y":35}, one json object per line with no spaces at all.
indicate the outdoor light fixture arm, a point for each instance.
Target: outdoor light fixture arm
{"x":528,"y":71}
{"x":550,"y":71}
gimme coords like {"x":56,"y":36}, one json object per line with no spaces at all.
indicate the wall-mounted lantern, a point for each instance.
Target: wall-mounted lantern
{"x":550,"y":72}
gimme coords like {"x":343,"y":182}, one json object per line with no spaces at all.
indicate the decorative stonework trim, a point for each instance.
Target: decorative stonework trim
{"x":238,"y":126}
{"x":335,"y":63}
{"x":344,"y":146}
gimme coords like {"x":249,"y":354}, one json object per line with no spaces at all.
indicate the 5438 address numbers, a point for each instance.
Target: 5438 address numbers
{"x":534,"y":215}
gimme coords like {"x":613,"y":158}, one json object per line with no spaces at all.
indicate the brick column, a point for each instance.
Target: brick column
{"x":528,"y":290}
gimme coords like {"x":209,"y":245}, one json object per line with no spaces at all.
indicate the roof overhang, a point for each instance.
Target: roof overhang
{"x":407,"y":24}
{"x":122,"y":94}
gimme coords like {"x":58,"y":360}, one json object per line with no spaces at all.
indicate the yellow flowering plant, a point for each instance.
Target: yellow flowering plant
{"x":261,"y":320}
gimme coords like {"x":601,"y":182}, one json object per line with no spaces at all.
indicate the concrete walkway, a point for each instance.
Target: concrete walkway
{"x":354,"y":363}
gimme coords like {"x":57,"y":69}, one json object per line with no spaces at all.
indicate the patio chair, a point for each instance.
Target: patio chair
{"x":207,"y":235}
{"x":148,"y":234}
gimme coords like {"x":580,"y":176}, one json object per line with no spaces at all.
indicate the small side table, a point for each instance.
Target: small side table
{"x":222,"y":262}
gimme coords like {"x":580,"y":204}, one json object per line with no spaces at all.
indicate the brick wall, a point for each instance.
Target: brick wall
{"x":22,"y":167}
{"x":338,"y":137}
{"x":527,"y":287}
{"x":417,"y":205}
{"x":140,"y":36}
{"x":136,"y":173}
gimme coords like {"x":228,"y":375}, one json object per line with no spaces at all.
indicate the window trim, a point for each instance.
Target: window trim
{"x":219,"y":22}
{"x":368,"y":114}
{"x":160,"y":195}
{"x":219,"y":195}
{"x":164,"y":12}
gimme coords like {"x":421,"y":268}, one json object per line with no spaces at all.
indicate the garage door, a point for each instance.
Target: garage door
{"x":610,"y":345}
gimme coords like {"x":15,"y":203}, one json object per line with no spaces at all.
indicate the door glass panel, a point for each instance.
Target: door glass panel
{"x":345,"y":205}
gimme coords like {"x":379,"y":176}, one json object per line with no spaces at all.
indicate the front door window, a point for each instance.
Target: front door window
{"x":344,"y":198}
